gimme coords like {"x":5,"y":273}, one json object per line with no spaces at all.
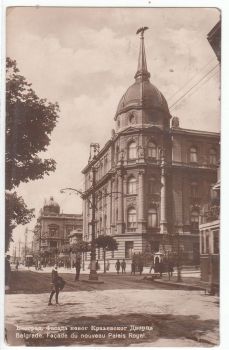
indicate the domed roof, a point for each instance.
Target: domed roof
{"x":52,"y":206}
{"x":142,"y":94}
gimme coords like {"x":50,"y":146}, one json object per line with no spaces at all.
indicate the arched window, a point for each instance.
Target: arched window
{"x":131,"y":218}
{"x":152,"y":185}
{"x":131,"y":185}
{"x":194,"y":219}
{"x":132,"y":150}
{"x":152,"y":217}
{"x":193,"y":155}
{"x":212,"y":156}
{"x":194,"y":190}
{"x":152,"y":150}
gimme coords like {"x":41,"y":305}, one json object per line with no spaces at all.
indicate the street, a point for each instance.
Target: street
{"x":152,"y":315}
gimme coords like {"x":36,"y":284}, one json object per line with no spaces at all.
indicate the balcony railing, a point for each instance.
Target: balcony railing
{"x":210,"y":213}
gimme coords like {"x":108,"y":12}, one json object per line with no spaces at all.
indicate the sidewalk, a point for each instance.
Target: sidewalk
{"x":187,"y":282}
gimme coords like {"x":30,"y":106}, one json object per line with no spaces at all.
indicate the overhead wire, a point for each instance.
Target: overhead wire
{"x":203,"y":83}
{"x":191,"y":79}
{"x":190,"y":89}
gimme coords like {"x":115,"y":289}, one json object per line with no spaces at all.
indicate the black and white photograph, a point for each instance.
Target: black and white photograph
{"x":112,"y":176}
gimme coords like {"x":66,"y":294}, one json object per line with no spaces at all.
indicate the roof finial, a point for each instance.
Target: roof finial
{"x":142,"y":72}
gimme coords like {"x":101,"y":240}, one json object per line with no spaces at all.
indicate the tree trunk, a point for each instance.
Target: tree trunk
{"x":104,"y":257}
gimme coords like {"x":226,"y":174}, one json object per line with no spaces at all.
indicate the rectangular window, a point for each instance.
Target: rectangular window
{"x":207,"y":244}
{"x":202,"y":243}
{"x":216,"y":242}
{"x":129,"y":246}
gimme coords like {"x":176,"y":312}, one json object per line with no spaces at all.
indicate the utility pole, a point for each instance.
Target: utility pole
{"x":93,"y":274}
{"x":19,"y":250}
{"x":26,"y":236}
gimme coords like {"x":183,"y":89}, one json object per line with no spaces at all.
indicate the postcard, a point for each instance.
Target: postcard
{"x":112,"y":176}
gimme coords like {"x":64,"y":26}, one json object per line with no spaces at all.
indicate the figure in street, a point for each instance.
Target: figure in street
{"x":78,"y":267}
{"x":17,"y":264}
{"x":170,"y":269}
{"x":161,"y":268}
{"x":57,"y":285}
{"x":7,"y":272}
{"x":123,"y":266}
{"x":133,"y":267}
{"x":117,"y":266}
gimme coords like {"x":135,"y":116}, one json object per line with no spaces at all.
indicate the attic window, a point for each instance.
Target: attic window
{"x":131,"y":119}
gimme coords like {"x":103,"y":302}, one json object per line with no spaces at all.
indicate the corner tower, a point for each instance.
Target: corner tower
{"x":142,"y":104}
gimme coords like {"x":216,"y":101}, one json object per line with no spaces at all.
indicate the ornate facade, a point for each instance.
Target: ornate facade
{"x":53,"y":228}
{"x":151,"y":177}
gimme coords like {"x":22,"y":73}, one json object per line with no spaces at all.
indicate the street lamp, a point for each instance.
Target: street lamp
{"x":93,"y":274}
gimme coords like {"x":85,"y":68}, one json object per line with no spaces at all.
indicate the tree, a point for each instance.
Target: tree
{"x":76,"y":248}
{"x":29,"y":123}
{"x":107,"y":243}
{"x":17,"y":213}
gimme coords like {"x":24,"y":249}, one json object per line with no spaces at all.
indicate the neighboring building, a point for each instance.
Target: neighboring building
{"x":152,"y":176}
{"x":214,"y":38}
{"x":53,"y":229}
{"x":210,"y":219}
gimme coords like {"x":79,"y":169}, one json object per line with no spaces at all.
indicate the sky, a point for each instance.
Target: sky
{"x":86,"y":58}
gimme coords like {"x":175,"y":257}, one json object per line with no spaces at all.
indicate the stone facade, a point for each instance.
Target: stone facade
{"x":53,"y":228}
{"x":152,"y":176}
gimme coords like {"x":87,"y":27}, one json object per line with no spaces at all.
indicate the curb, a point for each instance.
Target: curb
{"x":180,"y":285}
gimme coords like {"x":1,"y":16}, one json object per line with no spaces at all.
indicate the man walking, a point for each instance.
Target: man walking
{"x":78,"y":267}
{"x":123,"y":266}
{"x":133,"y":267}
{"x":55,"y":286}
{"x":117,"y":266}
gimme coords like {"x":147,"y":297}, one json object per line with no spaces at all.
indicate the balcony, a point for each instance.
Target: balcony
{"x":210,"y":213}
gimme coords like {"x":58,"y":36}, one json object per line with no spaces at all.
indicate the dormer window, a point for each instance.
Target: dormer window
{"x":131,"y":119}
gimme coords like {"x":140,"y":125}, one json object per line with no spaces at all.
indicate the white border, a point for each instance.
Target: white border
{"x":224,"y":7}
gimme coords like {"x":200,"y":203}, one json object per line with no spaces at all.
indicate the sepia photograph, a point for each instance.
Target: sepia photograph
{"x":112,"y":176}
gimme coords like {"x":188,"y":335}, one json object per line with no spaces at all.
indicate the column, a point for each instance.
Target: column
{"x":163,"y":222}
{"x":141,"y":216}
{"x":120,"y":202}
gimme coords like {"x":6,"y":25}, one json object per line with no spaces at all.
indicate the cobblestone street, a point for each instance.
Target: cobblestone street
{"x":168,"y":311}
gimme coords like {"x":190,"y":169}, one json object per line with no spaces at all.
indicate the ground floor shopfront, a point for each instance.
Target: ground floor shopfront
{"x":152,"y":247}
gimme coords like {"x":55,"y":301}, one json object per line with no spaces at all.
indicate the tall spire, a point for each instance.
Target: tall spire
{"x":142,"y":72}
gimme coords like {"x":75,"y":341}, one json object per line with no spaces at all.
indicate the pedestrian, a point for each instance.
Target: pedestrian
{"x":7,"y":272}
{"x":117,"y":266}
{"x":140,"y":266}
{"x":152,"y":267}
{"x":78,"y":267}
{"x":170,"y":269}
{"x":161,"y":268}
{"x":57,"y":285}
{"x":123,"y":266}
{"x":97,"y":265}
{"x":17,"y":264}
{"x":133,"y":267}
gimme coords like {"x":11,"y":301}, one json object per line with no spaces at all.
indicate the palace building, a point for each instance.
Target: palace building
{"x":152,"y":176}
{"x":53,"y":228}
